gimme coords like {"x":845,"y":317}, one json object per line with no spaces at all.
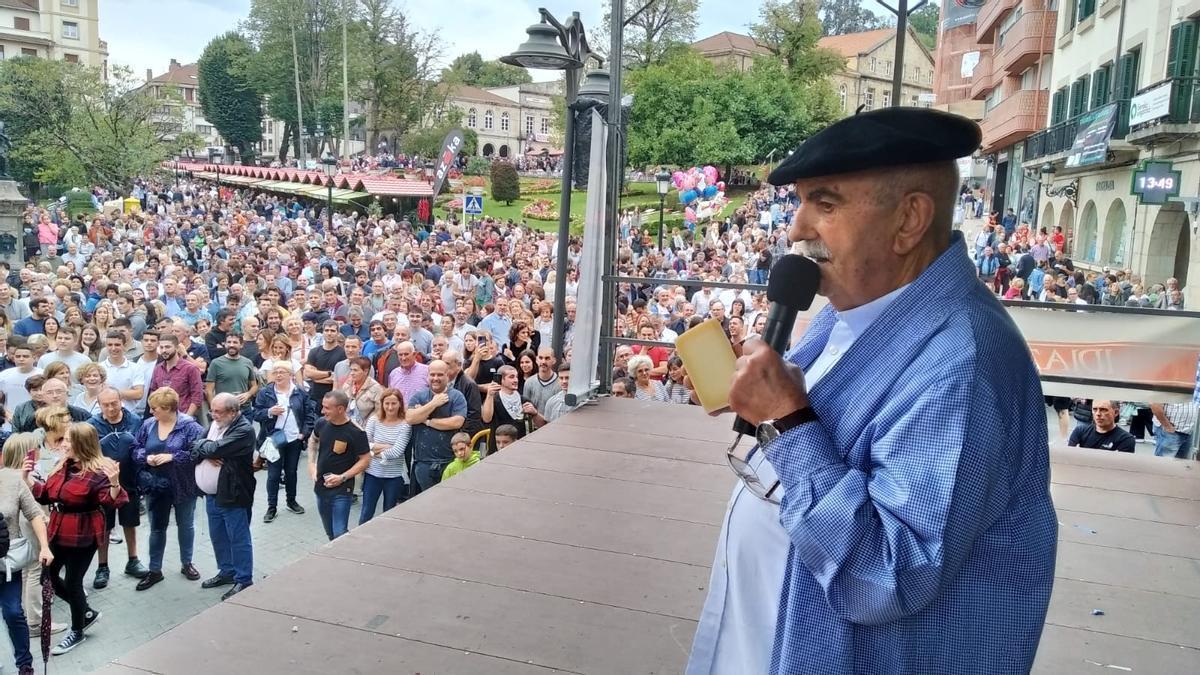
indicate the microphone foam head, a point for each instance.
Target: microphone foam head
{"x":794,"y":282}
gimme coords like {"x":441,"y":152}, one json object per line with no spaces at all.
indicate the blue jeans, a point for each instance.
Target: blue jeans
{"x":427,"y":474}
{"x":159,"y":506}
{"x":394,"y":490}
{"x":1171,"y":444}
{"x":335,"y":512}
{"x":14,"y":616}
{"x":289,"y":458}
{"x":229,"y":529}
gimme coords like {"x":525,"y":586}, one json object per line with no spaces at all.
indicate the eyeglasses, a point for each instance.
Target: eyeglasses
{"x":740,"y":463}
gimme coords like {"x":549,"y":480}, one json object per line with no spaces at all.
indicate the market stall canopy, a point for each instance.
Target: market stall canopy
{"x":312,"y":184}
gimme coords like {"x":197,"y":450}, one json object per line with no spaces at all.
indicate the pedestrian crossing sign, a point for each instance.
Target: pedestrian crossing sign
{"x":473,"y":205}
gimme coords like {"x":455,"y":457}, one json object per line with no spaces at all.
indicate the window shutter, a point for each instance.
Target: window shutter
{"x":1056,"y":106}
{"x":1127,"y":84}
{"x":1100,"y":87}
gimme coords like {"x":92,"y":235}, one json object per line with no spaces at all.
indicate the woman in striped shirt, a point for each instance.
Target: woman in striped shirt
{"x":387,"y":474}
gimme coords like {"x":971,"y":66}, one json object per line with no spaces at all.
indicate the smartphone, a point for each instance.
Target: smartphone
{"x":32,"y":455}
{"x":496,"y":377}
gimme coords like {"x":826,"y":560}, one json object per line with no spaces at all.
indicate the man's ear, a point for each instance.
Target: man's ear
{"x":916,"y":216}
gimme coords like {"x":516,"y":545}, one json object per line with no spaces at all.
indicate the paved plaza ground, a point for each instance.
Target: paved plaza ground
{"x":132,"y":618}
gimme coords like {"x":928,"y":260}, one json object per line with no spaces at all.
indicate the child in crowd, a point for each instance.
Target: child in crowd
{"x":464,"y":457}
{"x":506,"y":435}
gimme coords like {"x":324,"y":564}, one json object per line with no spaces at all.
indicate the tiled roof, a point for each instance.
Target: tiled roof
{"x":853,"y":44}
{"x":372,"y":183}
{"x":468,"y":93}
{"x":726,"y":42}
{"x":182,"y":75}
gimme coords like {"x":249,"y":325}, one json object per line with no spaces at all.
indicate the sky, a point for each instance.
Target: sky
{"x":145,"y":34}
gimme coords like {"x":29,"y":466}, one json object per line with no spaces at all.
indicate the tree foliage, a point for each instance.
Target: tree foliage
{"x":686,"y":111}
{"x":427,"y":141}
{"x":840,"y":17}
{"x":924,"y":22}
{"x":506,"y":184}
{"x":652,"y":29}
{"x":791,"y":31}
{"x":471,"y":69}
{"x":227,"y":97}
{"x":70,"y":126}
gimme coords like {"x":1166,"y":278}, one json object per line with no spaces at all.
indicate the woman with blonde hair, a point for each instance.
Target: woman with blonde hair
{"x":78,"y":489}
{"x":280,"y":351}
{"x":15,"y":501}
{"x":102,"y":316}
{"x":166,"y":475}
{"x":386,"y":475}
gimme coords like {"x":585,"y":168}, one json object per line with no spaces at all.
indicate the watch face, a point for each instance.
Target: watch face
{"x":766,"y":432}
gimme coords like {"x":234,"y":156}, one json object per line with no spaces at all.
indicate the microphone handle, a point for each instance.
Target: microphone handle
{"x":777,"y":332}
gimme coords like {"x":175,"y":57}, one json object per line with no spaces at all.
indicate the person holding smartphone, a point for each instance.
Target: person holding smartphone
{"x":485,"y":361}
{"x":504,"y":405}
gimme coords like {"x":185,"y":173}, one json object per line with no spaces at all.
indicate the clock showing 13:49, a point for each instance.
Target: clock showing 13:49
{"x":1156,"y":182}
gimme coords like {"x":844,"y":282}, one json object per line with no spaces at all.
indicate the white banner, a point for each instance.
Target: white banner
{"x":585,"y":341}
{"x":1150,"y":105}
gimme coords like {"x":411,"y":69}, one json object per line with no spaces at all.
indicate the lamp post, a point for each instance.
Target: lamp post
{"x":554,"y":45}
{"x":330,"y":167}
{"x":1070,"y":190}
{"x":662,"y":182}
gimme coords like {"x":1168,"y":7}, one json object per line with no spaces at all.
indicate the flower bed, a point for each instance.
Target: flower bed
{"x":455,"y":204}
{"x":539,"y":187}
{"x":541,"y":209}
{"x":475,"y":181}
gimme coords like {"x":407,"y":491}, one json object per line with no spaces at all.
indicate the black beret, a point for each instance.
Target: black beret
{"x":879,"y":139}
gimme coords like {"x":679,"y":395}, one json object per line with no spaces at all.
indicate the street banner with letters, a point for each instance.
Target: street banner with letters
{"x":450,"y":149}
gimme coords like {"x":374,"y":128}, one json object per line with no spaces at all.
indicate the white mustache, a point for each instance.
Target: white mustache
{"x":813,"y":249}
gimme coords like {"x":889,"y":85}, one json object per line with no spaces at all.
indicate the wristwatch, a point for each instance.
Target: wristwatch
{"x":769,"y":430}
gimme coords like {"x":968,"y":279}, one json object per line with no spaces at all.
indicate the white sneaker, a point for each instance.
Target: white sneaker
{"x":55,"y":628}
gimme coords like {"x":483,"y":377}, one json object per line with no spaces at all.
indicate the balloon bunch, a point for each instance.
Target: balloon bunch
{"x":700,"y":192}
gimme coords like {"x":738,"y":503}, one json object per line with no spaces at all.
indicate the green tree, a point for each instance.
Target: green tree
{"x":227,"y":98}
{"x":839,"y":17}
{"x":472,"y":70}
{"x":791,"y":31}
{"x":427,"y":141}
{"x":71,"y":126}
{"x":924,"y":23}
{"x":688,"y":112}
{"x":652,"y":29}
{"x":506,"y":184}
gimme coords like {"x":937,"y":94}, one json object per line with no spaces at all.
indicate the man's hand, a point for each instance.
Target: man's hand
{"x":491,"y":388}
{"x":243,"y":397}
{"x":528,"y":408}
{"x":765,"y":387}
{"x":440,"y":400}
{"x":334,"y":480}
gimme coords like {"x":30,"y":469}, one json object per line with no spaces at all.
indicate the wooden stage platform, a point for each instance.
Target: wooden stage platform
{"x":586,"y":549}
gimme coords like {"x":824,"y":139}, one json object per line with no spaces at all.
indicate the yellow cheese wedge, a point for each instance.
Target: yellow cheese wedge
{"x":709,"y":360}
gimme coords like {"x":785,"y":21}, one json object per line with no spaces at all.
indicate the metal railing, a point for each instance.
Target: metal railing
{"x":1060,"y":137}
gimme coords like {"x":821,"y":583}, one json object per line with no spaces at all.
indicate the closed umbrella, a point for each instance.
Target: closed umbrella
{"x":47,"y":602}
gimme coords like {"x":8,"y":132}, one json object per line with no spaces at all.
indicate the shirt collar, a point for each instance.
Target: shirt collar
{"x":857,"y":320}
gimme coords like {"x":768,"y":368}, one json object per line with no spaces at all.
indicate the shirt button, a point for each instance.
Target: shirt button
{"x":833,"y":350}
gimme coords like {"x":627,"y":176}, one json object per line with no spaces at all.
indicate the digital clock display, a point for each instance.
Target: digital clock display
{"x":1156,"y":182}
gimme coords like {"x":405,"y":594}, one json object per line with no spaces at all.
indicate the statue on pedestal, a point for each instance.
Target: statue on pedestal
{"x":5,"y":146}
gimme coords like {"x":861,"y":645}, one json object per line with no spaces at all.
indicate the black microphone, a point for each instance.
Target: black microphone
{"x":790,"y":289}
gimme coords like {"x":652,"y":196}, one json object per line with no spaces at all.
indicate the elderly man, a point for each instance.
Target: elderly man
{"x":409,"y":376}
{"x":116,"y":427}
{"x":225,"y":473}
{"x":897,"y":517}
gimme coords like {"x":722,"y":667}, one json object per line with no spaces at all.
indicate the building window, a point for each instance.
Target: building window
{"x":529,"y":125}
{"x":874,"y":65}
{"x":503,"y":123}
{"x":70,"y":30}
{"x":545,"y":125}
{"x":71,"y":58}
{"x":27,"y":51}
{"x":471,"y":118}
{"x":842,"y":96}
{"x":887,"y":99}
{"x":70,"y":3}
{"x":887,"y":67}
{"x":1086,"y":9}
{"x":487,"y":119}
{"x":189,"y":95}
{"x":21,"y":23}
{"x":869,"y":99}
{"x":993,"y":99}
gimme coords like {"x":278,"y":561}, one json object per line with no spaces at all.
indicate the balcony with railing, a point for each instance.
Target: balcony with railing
{"x":1014,"y":118}
{"x":984,"y":79}
{"x":989,"y":18}
{"x":1183,"y":113}
{"x":1060,"y":137}
{"x":1026,"y":41}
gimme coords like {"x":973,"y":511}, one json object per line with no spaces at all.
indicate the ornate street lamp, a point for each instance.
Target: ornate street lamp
{"x":329,"y":165}
{"x":662,"y":183}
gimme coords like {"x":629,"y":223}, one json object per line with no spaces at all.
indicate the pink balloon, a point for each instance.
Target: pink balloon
{"x":721,"y":186}
{"x":710,"y":173}
{"x":689,"y":182}
{"x":677,"y":179}
{"x":689,"y":214}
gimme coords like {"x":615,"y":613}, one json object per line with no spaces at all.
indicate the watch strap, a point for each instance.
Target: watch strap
{"x":795,"y":419}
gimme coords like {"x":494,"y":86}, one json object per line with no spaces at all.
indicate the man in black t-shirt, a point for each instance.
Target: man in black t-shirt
{"x":318,"y":368}
{"x":1103,"y":433}
{"x":338,"y":451}
{"x":486,"y":359}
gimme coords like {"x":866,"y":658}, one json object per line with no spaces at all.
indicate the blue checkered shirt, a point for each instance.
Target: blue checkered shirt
{"x":922,"y":531}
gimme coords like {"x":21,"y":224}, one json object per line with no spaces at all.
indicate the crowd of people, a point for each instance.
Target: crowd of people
{"x":154,"y":359}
